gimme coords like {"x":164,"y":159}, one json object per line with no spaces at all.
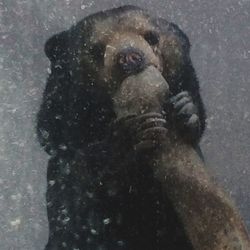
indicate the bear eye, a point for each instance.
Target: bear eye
{"x":152,"y":38}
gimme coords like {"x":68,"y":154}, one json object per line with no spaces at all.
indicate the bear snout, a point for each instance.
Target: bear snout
{"x":131,"y":60}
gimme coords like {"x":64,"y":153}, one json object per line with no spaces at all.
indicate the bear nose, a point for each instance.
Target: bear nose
{"x":131,"y":60}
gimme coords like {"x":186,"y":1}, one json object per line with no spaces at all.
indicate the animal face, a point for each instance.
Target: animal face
{"x":107,"y":47}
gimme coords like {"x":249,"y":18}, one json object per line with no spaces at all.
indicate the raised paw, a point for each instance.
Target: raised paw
{"x":151,"y":131}
{"x":146,"y":131}
{"x":185,"y":114}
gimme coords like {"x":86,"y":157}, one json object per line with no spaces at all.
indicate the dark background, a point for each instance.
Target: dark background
{"x":220,"y":35}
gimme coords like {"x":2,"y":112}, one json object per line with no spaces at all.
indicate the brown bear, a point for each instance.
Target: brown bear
{"x":121,"y":118}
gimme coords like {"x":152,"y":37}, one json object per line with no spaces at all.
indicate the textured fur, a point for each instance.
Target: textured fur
{"x":98,"y":196}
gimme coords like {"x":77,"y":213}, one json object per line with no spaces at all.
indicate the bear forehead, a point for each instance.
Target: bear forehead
{"x":132,"y":22}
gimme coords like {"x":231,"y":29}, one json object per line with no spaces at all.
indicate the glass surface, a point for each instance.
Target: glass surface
{"x":220,"y":35}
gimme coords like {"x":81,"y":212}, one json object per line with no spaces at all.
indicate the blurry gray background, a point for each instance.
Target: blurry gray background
{"x":219,"y":31}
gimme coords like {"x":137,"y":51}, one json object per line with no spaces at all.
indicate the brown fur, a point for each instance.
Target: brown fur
{"x":107,"y":192}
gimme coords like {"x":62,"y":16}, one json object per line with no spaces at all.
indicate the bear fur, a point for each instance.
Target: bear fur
{"x":102,"y":193}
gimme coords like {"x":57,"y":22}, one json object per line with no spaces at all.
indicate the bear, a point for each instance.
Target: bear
{"x":103,"y":192}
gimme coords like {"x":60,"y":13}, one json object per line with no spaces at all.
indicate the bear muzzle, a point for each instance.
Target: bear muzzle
{"x":131,"y":60}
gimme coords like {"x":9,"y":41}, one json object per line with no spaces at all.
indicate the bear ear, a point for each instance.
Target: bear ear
{"x":173,"y":29}
{"x":182,"y":36}
{"x":56,"y":46}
